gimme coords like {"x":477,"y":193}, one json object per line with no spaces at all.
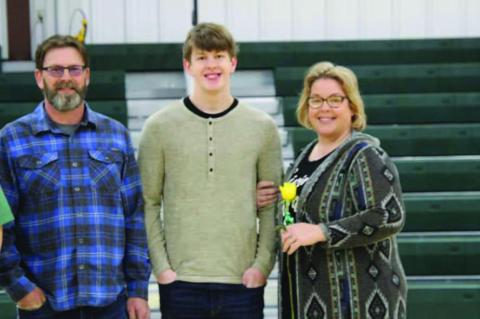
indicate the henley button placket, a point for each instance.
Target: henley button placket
{"x":211,"y":161}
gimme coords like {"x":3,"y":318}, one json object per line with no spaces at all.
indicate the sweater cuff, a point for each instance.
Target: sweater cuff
{"x":326,"y":233}
{"x":265,"y":269}
{"x":159,"y":267}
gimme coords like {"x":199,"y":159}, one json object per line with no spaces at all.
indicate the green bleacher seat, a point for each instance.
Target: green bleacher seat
{"x":413,"y":140}
{"x":428,"y":140}
{"x":439,"y":174}
{"x":114,"y":109}
{"x":262,"y":55}
{"x":437,"y":254}
{"x":450,"y":211}
{"x":418,"y":108}
{"x":21,"y":87}
{"x":136,"y":57}
{"x":439,"y":297}
{"x":269,"y":55}
{"x":386,"y":79}
{"x":8,"y":310}
{"x":299,"y":137}
{"x":9,"y":111}
{"x":443,"y":298}
{"x":18,"y":87}
{"x":423,"y":108}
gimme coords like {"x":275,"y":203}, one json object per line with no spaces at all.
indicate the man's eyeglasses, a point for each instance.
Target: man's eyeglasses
{"x":57,"y":71}
{"x":334,"y":101}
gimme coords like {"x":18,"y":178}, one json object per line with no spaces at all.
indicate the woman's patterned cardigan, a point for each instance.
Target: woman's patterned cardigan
{"x":355,"y":196}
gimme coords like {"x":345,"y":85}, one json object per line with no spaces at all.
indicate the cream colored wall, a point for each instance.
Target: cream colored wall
{"x":136,"y":21}
{"x":3,"y":28}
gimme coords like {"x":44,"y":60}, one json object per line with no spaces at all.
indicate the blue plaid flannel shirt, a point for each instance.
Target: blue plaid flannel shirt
{"x":79,"y":230}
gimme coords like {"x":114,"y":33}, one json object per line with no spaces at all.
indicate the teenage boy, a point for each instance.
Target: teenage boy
{"x":200,"y":158}
{"x":5,"y":215}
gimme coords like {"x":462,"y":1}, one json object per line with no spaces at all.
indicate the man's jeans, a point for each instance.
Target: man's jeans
{"x":186,"y":300}
{"x":116,"y":310}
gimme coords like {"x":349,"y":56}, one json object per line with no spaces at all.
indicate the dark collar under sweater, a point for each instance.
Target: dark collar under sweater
{"x":188,"y":103}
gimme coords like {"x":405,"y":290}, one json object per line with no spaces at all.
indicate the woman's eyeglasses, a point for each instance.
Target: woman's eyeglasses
{"x":334,"y":101}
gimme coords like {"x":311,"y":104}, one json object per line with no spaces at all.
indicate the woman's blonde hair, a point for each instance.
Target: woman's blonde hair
{"x":349,"y":83}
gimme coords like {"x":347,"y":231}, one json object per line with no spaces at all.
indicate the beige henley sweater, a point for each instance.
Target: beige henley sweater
{"x":204,"y":174}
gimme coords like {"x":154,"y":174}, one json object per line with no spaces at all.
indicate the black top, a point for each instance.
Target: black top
{"x":300,"y":177}
{"x":188,"y":103}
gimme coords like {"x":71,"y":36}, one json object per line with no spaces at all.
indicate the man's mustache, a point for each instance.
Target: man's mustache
{"x":66,"y":85}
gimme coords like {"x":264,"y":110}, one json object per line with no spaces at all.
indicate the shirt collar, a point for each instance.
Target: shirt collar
{"x":42,"y":123}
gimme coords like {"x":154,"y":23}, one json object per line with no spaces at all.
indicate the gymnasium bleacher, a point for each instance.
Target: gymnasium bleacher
{"x":422,"y":100}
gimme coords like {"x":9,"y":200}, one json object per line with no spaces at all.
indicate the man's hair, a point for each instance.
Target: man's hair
{"x":349,"y":83}
{"x":59,"y":41}
{"x":209,"y":37}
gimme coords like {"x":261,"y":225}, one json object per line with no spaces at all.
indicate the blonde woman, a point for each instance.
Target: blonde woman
{"x":340,"y":257}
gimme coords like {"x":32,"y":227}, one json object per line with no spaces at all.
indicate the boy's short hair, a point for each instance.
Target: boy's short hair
{"x":209,"y":37}
{"x":59,"y":41}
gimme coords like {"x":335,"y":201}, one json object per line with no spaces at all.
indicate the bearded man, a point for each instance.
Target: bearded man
{"x":77,"y":248}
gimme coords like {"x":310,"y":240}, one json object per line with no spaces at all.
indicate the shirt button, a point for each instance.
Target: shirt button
{"x":210,"y":123}
{"x":211,"y":154}
{"x":211,"y":138}
{"x":75,"y":164}
{"x":81,"y":240}
{"x":38,"y":162}
{"x":81,"y":267}
{"x":211,"y":169}
{"x":76,"y":189}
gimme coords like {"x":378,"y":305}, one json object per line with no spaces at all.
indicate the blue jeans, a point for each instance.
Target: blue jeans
{"x":186,"y":300}
{"x":116,"y":310}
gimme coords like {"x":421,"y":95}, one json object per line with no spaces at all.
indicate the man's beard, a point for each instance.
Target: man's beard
{"x":64,"y":102}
